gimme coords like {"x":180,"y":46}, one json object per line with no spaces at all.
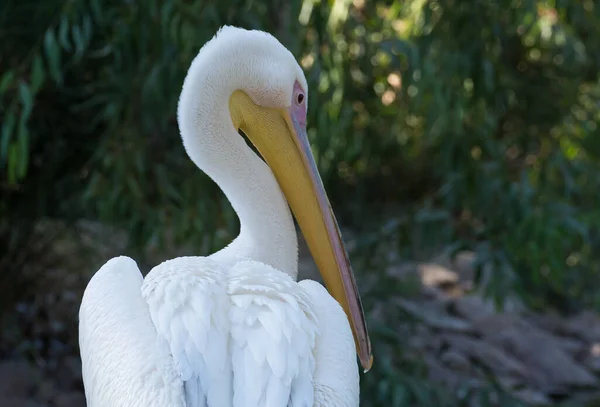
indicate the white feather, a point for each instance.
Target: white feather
{"x":188,"y":304}
{"x":121,"y":364}
{"x":273,"y":333}
{"x":336,"y":379}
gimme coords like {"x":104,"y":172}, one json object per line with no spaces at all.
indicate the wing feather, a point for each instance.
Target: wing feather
{"x":122,"y":365}
{"x":188,"y":304}
{"x":336,"y":379}
{"x":273,"y":332}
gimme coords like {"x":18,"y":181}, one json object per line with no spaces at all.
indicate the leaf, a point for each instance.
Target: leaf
{"x":37,"y":73}
{"x":52,"y":51}
{"x":26,"y":100}
{"x":79,"y":42}
{"x":96,"y":8}
{"x":88,"y":29}
{"x":175,"y":28}
{"x":134,"y":187}
{"x":23,"y":152}
{"x":12,"y":163}
{"x":10,"y":120}
{"x":6,"y":81}
{"x":488,"y":75}
{"x":63,"y":34}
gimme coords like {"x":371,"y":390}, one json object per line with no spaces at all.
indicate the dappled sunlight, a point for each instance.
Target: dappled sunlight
{"x":436,"y":275}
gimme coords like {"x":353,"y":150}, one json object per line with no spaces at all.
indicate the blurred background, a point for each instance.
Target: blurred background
{"x":458,"y":142}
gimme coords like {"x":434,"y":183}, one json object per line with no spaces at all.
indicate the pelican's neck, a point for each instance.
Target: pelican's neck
{"x":267,"y":232}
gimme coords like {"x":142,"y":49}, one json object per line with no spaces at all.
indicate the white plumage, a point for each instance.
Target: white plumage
{"x":235,"y":328}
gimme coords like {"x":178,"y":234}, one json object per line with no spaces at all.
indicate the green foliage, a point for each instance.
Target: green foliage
{"x":510,"y":120}
{"x":479,"y":119}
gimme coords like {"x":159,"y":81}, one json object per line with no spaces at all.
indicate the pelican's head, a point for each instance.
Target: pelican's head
{"x":268,"y":103}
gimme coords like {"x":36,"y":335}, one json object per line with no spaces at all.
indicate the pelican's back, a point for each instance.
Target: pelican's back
{"x":239,"y":337}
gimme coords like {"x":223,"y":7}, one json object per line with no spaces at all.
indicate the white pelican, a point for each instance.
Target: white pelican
{"x":235,"y":328}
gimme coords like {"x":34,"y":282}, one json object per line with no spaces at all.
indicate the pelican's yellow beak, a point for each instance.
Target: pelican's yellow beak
{"x":283,"y":144}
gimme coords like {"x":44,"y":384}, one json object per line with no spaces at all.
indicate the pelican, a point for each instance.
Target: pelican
{"x":235,"y":328}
